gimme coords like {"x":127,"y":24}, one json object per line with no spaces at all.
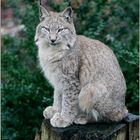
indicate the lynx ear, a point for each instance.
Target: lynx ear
{"x":68,"y":14}
{"x":43,"y":13}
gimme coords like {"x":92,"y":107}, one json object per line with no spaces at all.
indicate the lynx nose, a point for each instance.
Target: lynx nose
{"x":53,"y":40}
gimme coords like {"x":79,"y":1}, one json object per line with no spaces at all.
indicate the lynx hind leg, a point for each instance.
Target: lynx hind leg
{"x":89,"y":96}
{"x":117,"y":114}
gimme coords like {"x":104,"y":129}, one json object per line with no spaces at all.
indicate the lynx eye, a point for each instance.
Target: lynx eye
{"x":45,"y":28}
{"x":61,"y":29}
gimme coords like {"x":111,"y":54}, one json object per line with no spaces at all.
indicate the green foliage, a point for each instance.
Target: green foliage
{"x":25,"y":91}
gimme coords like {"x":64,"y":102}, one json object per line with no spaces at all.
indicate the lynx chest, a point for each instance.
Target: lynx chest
{"x":50,"y":63}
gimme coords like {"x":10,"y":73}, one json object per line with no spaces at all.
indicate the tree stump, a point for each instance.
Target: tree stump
{"x":127,"y":129}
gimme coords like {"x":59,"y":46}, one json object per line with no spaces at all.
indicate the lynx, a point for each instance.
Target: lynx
{"x":88,"y":83}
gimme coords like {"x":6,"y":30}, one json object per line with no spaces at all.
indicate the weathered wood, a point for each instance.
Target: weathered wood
{"x":128,"y":129}
{"x":132,"y":122}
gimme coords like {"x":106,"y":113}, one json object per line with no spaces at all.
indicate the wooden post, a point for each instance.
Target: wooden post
{"x":128,"y":129}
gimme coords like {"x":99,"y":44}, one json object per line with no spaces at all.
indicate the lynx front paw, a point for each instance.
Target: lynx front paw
{"x":58,"y":121}
{"x":49,"y":112}
{"x":81,"y":120}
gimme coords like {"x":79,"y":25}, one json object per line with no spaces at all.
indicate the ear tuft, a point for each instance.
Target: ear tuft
{"x":68,"y":14}
{"x":43,"y":13}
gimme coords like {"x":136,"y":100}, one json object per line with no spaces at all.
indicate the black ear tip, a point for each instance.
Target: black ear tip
{"x":43,"y":12}
{"x":69,"y":8}
{"x":42,"y":7}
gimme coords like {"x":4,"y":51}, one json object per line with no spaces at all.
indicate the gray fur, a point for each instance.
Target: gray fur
{"x":87,"y":79}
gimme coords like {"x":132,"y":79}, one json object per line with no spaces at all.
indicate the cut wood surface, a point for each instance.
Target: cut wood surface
{"x":128,"y":129}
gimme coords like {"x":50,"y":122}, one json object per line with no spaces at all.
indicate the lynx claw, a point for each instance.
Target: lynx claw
{"x":49,"y":112}
{"x":58,"y":121}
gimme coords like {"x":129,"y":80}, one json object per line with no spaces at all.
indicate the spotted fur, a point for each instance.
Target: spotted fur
{"x":86,"y":76}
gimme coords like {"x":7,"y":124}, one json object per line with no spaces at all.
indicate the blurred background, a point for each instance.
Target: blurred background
{"x":25,"y":92}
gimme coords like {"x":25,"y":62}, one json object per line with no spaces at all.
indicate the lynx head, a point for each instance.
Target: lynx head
{"x":55,"y":29}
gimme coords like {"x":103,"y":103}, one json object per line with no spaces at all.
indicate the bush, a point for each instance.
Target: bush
{"x":25,"y":91}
